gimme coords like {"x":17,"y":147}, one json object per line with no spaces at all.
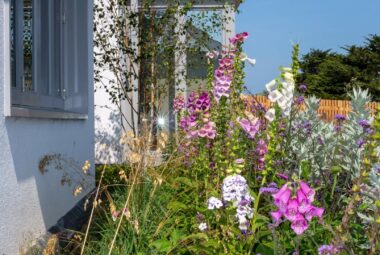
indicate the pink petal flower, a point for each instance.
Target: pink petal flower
{"x":291,"y":212}
{"x":281,"y":198}
{"x":276,"y":216}
{"x":309,"y":192}
{"x":303,"y":202}
{"x":314,"y":212}
{"x":299,"y":225}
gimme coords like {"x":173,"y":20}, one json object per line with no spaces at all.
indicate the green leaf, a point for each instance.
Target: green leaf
{"x":162,"y":245}
{"x":176,"y":205}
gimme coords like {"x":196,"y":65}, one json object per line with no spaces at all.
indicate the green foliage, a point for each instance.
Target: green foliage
{"x":331,"y":75}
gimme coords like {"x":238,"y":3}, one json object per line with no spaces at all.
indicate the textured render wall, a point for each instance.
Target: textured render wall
{"x":30,"y":202}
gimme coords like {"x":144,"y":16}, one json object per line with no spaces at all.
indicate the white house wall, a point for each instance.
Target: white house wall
{"x":31,"y":202}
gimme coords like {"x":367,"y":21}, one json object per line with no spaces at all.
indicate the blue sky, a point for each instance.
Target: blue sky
{"x":274,"y":25}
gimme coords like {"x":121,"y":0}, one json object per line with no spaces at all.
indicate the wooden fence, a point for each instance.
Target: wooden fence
{"x":327,"y":108}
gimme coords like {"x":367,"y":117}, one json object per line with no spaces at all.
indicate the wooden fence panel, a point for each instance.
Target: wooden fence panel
{"x":327,"y":108}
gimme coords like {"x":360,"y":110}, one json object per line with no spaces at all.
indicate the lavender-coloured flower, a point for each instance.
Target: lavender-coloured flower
{"x":368,"y":131}
{"x":269,"y":190}
{"x":214,"y":203}
{"x":340,"y":117}
{"x":364,"y":124}
{"x":300,"y":100}
{"x":360,"y":142}
{"x":328,"y":250}
{"x":302,"y":88}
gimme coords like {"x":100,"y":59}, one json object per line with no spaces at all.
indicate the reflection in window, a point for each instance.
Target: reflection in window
{"x":28,"y":45}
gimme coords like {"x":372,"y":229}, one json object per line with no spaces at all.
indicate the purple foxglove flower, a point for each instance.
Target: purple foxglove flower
{"x":277,"y":215}
{"x":281,"y":198}
{"x":250,"y":127}
{"x":299,"y":224}
{"x":309,"y":192}
{"x":304,"y":204}
{"x":314,"y":212}
{"x":291,"y":211}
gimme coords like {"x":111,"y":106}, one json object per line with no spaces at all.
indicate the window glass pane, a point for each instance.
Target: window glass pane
{"x":28,"y":45}
{"x":12,"y":43}
{"x":57,"y":48}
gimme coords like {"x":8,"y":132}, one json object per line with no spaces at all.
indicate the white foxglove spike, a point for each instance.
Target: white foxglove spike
{"x":270,"y":115}
{"x":244,"y":57}
{"x":272,"y":85}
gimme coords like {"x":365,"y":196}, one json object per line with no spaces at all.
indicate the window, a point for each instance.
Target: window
{"x":49,"y":44}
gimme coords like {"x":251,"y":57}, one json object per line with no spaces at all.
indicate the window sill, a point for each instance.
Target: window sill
{"x":17,"y":111}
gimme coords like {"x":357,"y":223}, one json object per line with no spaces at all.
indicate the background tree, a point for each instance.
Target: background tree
{"x":332,"y":76}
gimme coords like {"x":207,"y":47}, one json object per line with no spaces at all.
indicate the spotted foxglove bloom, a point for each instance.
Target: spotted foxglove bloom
{"x":250,"y":127}
{"x":214,"y":203}
{"x":202,"y":227}
{"x":299,"y":224}
{"x":298,"y":209}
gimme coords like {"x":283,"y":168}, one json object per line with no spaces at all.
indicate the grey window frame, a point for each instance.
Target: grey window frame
{"x":55,"y":103}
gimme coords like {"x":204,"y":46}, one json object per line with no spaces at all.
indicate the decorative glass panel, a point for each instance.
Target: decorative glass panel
{"x":28,"y":45}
